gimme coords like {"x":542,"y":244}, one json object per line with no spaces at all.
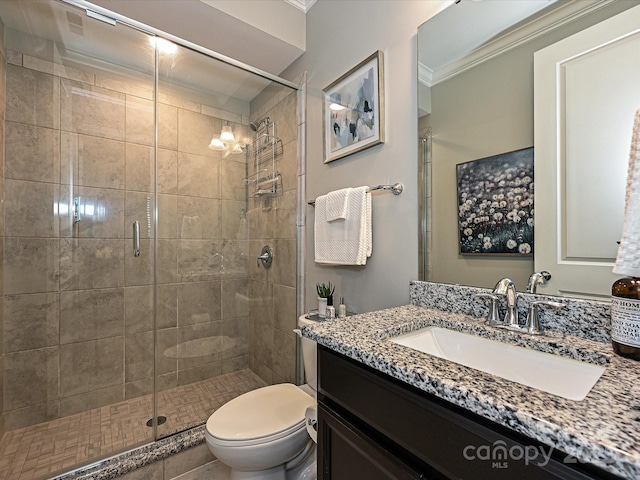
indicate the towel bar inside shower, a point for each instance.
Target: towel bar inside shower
{"x":396,"y":189}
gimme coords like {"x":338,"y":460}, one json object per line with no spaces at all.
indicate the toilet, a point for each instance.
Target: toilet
{"x":262,"y":435}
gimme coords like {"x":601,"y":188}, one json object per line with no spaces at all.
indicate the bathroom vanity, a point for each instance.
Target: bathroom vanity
{"x":389,"y":411}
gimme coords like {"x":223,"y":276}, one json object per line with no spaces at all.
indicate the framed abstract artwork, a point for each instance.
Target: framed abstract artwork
{"x":495,"y":204}
{"x":353,"y":110}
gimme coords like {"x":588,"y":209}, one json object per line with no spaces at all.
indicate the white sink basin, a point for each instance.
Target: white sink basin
{"x":560,"y":376}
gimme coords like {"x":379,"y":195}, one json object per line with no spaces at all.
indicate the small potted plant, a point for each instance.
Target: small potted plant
{"x":325,"y":297}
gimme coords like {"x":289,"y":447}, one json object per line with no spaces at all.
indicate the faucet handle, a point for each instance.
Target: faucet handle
{"x":493,"y":318}
{"x":533,"y":321}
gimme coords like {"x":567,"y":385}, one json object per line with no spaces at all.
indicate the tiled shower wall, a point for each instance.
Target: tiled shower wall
{"x":78,"y":306}
{"x":3,"y":96}
{"x":272,"y":221}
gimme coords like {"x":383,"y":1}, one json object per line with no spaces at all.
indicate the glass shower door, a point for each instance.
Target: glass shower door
{"x":79,"y":172}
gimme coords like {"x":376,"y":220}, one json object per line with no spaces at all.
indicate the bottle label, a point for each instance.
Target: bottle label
{"x":625,"y":321}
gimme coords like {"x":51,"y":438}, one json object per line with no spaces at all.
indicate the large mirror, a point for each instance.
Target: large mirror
{"x":476,"y":100}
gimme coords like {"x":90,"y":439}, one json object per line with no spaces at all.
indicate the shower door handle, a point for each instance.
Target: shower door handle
{"x":136,"y":239}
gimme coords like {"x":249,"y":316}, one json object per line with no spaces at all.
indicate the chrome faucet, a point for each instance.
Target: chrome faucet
{"x":505,"y":287}
{"x":537,"y":278}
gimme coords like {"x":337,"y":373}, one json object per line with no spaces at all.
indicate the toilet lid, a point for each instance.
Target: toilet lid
{"x":260,"y":413}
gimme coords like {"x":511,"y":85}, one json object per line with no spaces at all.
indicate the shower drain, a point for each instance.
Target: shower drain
{"x":160,"y":419}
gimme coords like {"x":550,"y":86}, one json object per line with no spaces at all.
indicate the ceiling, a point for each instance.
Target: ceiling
{"x":476,"y":23}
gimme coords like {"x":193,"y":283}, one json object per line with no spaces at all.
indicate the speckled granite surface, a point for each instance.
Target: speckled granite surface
{"x":120,"y":464}
{"x":603,"y":429}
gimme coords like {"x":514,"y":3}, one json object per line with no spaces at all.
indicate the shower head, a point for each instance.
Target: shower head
{"x":256,"y":125}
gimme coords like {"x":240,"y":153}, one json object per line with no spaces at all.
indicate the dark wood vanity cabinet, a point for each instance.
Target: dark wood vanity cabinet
{"x":372,"y":426}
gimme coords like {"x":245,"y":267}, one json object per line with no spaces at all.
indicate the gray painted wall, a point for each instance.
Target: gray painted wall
{"x":340,"y":34}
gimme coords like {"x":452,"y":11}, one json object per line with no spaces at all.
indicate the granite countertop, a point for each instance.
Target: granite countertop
{"x":603,"y":429}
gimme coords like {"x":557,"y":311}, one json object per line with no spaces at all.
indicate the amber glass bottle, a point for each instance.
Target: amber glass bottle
{"x":625,"y":317}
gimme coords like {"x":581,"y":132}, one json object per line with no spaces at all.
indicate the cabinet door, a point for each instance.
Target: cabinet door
{"x":346,"y":453}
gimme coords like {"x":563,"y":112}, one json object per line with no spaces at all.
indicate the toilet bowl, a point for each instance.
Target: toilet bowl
{"x":262,"y":435}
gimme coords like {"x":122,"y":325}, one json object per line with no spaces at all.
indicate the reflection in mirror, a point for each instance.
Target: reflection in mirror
{"x":476,"y":99}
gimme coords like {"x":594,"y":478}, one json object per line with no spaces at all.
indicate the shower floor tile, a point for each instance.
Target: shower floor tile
{"x":40,"y":451}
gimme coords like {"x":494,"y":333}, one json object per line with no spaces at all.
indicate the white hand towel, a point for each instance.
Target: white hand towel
{"x":348,"y":242}
{"x":628,"y":260}
{"x":336,"y":204}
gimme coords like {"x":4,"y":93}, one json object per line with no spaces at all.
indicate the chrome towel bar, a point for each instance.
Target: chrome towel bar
{"x":396,"y":189}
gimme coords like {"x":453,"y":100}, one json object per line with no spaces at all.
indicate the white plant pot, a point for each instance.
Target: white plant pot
{"x":322,"y":307}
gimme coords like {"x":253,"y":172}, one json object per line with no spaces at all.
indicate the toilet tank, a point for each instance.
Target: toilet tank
{"x":309,"y":354}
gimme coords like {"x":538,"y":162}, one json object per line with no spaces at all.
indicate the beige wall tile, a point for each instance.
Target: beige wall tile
{"x":200,"y":302}
{"x":167,"y":171}
{"x":235,"y":363}
{"x":199,"y":345}
{"x":285,"y":215}
{"x":288,"y":166}
{"x":90,"y":400}
{"x":29,"y":209}
{"x":167,"y":266}
{"x":198,"y":176}
{"x":100,"y":162}
{"x":102,"y":214}
{"x":31,"y":265}
{"x":139,"y":389}
{"x":139,"y":270}
{"x":139,"y":120}
{"x":235,"y":342}
{"x":234,"y":220}
{"x":168,"y":216}
{"x":14,"y":58}
{"x":167,"y":97}
{"x":31,"y":377}
{"x":140,"y":208}
{"x":237,"y":257}
{"x":91,"y":366}
{"x":235,"y":298}
{"x":30,"y":415}
{"x":197,"y":374}
{"x":284,"y":271}
{"x":284,"y":308}
{"x":91,"y":314}
{"x":91,"y":110}
{"x":195,"y":131}
{"x":199,"y":260}
{"x":31,"y":321}
{"x":138,"y":309}
{"x":261,"y":302}
{"x":167,"y":306}
{"x":139,"y":167}
{"x":32,"y":153}
{"x":138,"y":356}
{"x":91,"y":263}
{"x":198,"y":218}
{"x":167,"y":126}
{"x":57,"y":69}
{"x":232,"y":185}
{"x":167,"y":360}
{"x":141,"y":86}
{"x":284,"y":354}
{"x":32,"y":97}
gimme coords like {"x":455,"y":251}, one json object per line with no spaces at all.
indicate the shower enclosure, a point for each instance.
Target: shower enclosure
{"x":132,"y":302}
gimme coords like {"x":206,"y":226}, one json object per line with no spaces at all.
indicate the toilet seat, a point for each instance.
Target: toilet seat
{"x":259,"y":416}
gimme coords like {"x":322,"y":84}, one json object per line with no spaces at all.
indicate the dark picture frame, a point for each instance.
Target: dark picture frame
{"x":496,"y":204}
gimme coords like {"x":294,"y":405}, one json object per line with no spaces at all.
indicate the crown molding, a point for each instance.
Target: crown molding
{"x":303,"y":5}
{"x":564,"y":14}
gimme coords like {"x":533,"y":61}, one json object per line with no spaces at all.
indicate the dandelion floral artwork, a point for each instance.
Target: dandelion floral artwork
{"x":495,"y":204}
